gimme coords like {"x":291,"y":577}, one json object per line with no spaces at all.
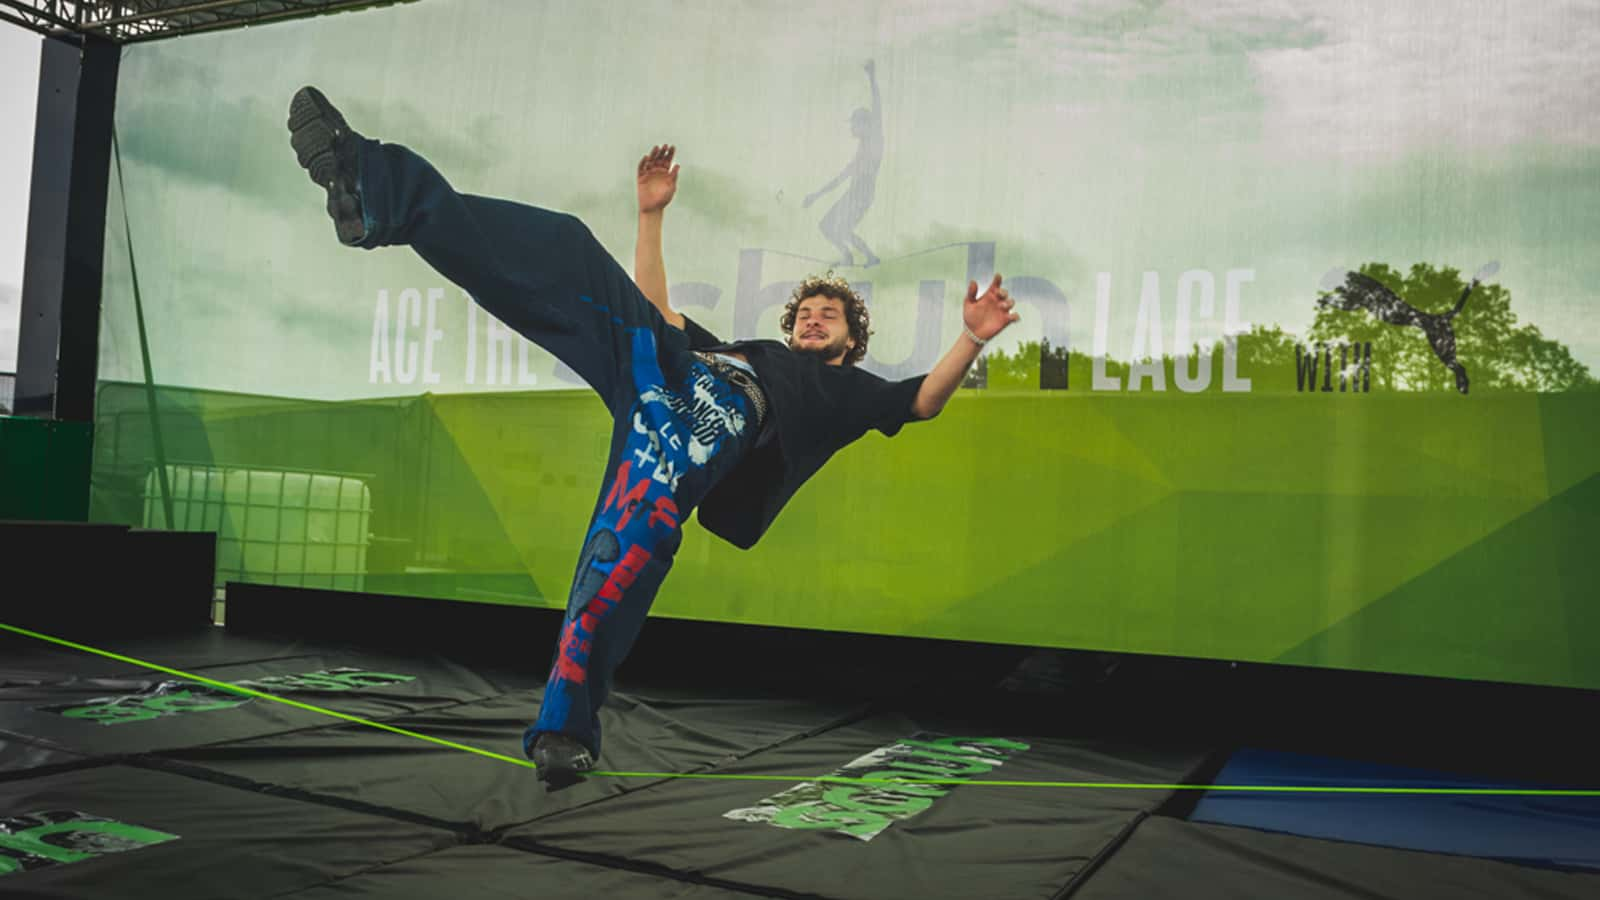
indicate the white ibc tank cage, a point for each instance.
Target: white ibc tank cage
{"x":273,"y":527}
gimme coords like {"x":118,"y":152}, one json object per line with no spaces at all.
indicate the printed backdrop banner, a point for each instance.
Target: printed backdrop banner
{"x":1305,"y":370}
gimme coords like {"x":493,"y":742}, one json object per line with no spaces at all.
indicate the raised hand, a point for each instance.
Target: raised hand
{"x":658,"y":178}
{"x":988,"y":315}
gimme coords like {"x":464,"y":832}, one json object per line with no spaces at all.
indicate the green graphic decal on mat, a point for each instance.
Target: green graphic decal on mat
{"x":170,"y":698}
{"x":863,"y":812}
{"x":40,"y":839}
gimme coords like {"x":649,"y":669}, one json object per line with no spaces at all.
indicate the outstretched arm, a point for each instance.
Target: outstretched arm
{"x":983,"y":318}
{"x":843,"y":174}
{"x":877,"y":102}
{"x":656,"y":185}
{"x":854,"y":164}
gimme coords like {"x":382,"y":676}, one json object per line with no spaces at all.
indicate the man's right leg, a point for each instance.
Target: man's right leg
{"x":540,"y":272}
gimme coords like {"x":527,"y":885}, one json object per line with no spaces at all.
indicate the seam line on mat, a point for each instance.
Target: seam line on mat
{"x":657,"y":870}
{"x":1082,"y":876}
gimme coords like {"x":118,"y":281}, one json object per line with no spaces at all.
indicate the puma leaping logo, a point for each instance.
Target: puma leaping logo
{"x":1357,"y":291}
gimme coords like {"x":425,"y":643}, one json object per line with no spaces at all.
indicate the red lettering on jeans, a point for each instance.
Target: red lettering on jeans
{"x":572,"y":656}
{"x":665,"y":511}
{"x":631,"y":564}
{"x":624,"y":498}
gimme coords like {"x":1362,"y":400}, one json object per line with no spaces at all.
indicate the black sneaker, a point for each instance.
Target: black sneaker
{"x":560,"y":758}
{"x":327,"y":150}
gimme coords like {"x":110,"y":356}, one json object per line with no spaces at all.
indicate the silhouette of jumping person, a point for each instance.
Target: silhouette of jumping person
{"x":839,"y":222}
{"x":1365,"y":292}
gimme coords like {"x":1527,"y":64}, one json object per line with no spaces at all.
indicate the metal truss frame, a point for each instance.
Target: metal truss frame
{"x":131,"y":21}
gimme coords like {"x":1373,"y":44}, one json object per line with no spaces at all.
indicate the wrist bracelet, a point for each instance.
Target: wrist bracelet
{"x":975,"y":339}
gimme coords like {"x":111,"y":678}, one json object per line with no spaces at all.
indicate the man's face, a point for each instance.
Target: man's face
{"x":821,"y":329}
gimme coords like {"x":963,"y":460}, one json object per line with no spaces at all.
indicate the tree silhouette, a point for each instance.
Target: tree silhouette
{"x":1266,"y":357}
{"x":1497,"y":352}
{"x":1014,"y":370}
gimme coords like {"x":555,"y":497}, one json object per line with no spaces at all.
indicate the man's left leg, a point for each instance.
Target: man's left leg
{"x":626,"y":555}
{"x":670,"y":445}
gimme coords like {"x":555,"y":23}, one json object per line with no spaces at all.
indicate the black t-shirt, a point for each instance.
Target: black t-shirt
{"x":818,"y":410}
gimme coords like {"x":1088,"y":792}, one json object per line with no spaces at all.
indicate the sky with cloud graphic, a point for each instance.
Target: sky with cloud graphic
{"x":1079,"y":138}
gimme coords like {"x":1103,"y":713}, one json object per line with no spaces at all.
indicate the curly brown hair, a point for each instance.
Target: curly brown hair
{"x":855,"y":311}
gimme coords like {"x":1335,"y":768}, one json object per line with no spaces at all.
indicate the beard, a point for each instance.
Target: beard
{"x":826,"y":352}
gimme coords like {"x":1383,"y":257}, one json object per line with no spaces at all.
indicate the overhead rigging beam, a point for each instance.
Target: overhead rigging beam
{"x":144,"y":20}
{"x":37,"y":16}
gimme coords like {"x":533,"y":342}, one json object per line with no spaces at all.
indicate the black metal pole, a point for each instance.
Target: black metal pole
{"x":58,"y":341}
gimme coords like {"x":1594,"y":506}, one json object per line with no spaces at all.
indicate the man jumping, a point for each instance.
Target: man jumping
{"x":730,"y":428}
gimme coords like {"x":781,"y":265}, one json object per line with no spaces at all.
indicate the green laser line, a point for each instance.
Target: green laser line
{"x":251,"y":692}
{"x":830,"y":779}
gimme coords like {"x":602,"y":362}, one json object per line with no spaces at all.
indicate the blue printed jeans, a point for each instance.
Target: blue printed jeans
{"x":676,"y":427}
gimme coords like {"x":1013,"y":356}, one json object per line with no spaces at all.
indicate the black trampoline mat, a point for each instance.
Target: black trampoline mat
{"x":664,"y":733}
{"x":230,"y":843}
{"x":270,"y":801}
{"x":140,"y":711}
{"x":500,"y":873}
{"x":968,"y":841}
{"x":18,"y":757}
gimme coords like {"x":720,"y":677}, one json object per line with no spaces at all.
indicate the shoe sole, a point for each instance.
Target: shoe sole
{"x":549,"y":771}
{"x":315,"y":128}
{"x":553,"y":768}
